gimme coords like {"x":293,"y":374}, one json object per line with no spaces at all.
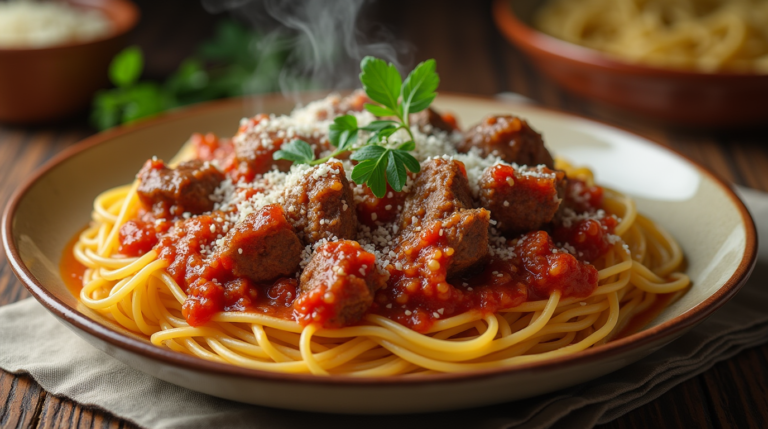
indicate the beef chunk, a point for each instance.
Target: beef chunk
{"x":186,"y":188}
{"x":522,"y":199}
{"x":354,"y":102}
{"x":322,"y":204}
{"x":262,"y":246}
{"x":509,"y":138}
{"x":466,"y":232}
{"x":338,"y":285}
{"x":259,"y":138}
{"x":441,"y":194}
{"x":440,"y":189}
{"x":429,"y":121}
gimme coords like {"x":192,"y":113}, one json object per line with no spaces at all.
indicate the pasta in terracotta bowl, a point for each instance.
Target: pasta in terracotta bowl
{"x":697,"y":63}
{"x":265,"y":261}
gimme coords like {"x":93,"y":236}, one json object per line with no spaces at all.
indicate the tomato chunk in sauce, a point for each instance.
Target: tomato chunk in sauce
{"x":546,"y":269}
{"x":417,"y":295}
{"x":136,"y":238}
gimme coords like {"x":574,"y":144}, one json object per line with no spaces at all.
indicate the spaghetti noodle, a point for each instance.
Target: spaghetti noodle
{"x":693,"y":34}
{"x":640,"y":268}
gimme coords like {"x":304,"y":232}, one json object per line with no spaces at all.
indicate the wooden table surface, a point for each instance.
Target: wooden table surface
{"x":472,"y":58}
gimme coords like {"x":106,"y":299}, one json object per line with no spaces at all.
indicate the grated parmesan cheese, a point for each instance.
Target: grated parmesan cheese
{"x":233,"y":203}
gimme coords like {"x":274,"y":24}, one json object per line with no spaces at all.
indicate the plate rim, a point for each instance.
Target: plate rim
{"x":668,"y":329}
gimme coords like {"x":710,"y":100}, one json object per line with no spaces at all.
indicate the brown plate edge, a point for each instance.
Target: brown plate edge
{"x":688,"y":319}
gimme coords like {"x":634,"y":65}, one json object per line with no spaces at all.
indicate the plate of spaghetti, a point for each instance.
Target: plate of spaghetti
{"x":331,"y":257}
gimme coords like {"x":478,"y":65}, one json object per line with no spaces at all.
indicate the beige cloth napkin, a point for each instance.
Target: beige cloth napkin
{"x":32,"y":341}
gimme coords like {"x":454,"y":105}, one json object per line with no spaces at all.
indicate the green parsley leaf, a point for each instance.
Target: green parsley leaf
{"x":377,"y":126}
{"x":407,"y":160}
{"x":369,"y":152}
{"x":144,"y":99}
{"x":381,"y":82}
{"x":373,"y":173}
{"x":377,"y":164}
{"x":126,"y":67}
{"x":190,"y":77}
{"x":297,"y":151}
{"x":396,"y":175}
{"x":343,"y":132}
{"x":363,"y":171}
{"x":419,"y":87}
{"x":372,"y":168}
{"x":107,"y":110}
{"x":379,"y":110}
{"x":381,"y":130}
{"x":383,"y":135}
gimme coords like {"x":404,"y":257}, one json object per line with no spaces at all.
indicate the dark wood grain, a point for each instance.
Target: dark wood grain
{"x":472,"y":58}
{"x":23,"y":400}
{"x":59,"y":413}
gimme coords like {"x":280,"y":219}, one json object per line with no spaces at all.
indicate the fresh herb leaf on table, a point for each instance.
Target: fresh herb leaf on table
{"x":378,"y":163}
{"x":224,"y":66}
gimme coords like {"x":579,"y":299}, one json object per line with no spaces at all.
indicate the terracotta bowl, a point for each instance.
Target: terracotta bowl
{"x":719,"y":246}
{"x":673,"y":96}
{"x":45,"y":84}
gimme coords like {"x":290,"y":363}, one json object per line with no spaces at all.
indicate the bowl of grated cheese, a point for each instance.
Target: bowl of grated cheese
{"x":55,"y":55}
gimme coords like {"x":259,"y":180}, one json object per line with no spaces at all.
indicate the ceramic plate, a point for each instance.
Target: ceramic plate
{"x":710,"y":222}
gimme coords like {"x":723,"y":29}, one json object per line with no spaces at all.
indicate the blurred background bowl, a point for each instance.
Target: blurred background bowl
{"x":673,"y":96}
{"x":45,"y":84}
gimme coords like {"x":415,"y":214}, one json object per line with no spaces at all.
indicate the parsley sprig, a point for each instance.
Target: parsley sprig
{"x":223,"y":66}
{"x":379,"y":163}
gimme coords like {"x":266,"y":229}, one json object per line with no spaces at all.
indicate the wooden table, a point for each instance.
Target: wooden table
{"x":472,"y":58}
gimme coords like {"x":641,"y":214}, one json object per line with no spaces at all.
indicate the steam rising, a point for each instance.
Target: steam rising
{"x":327,"y":40}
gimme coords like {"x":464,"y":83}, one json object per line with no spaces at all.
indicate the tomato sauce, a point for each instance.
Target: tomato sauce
{"x":210,"y":284}
{"x":344,"y":270}
{"x":72,"y":271}
{"x":582,"y":197}
{"x":421,"y":293}
{"x":209,"y":147}
{"x":418,"y":291}
{"x":137,"y":237}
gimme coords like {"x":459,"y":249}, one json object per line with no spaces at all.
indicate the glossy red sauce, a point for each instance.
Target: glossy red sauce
{"x":545,"y":268}
{"x":209,"y":283}
{"x":415,"y":296}
{"x":209,"y":147}
{"x":420,"y":292}
{"x":591,"y":237}
{"x":451,"y":120}
{"x":417,"y":293}
{"x":72,"y":271}
{"x":582,"y":197}
{"x":137,"y":237}
{"x":502,"y":174}
{"x":320,"y":304}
